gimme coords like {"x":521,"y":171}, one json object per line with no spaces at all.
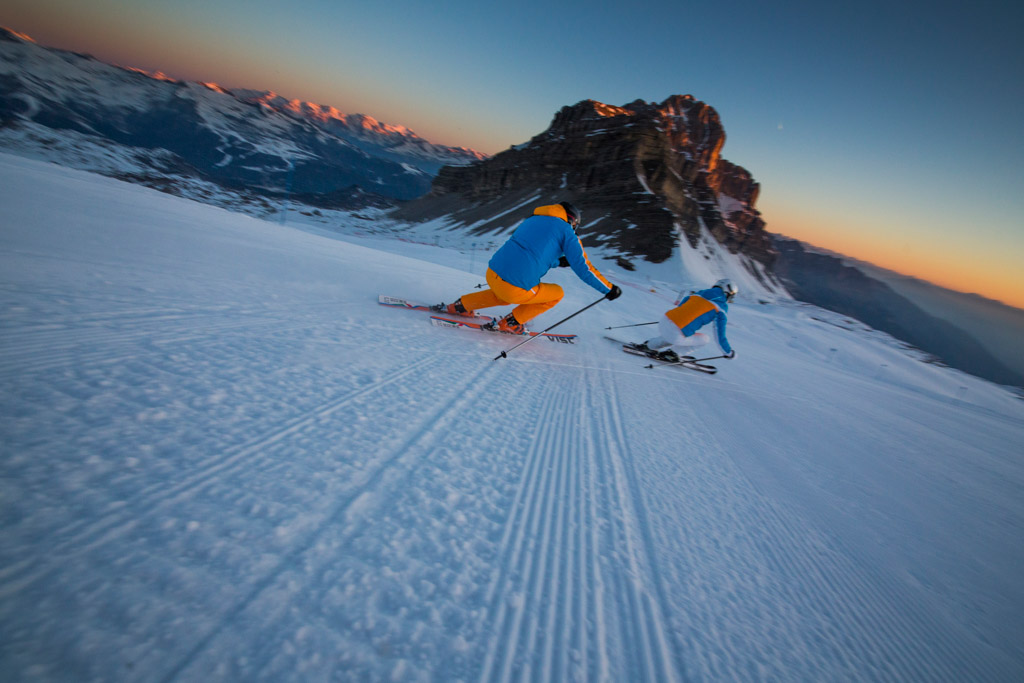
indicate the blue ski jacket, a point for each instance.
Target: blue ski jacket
{"x":701,"y":308}
{"x":535,"y":248}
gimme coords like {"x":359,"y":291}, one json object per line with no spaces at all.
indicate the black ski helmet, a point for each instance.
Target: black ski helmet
{"x":572,"y":214}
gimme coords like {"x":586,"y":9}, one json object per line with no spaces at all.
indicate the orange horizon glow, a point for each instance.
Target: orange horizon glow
{"x":931,"y":263}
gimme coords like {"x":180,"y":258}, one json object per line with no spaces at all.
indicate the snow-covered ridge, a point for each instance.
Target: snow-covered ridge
{"x":12,"y":34}
{"x":395,"y":138}
{"x":239,"y":138}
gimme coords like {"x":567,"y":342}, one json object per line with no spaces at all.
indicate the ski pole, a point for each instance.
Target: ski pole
{"x":504,"y":354}
{"x":619,"y":327}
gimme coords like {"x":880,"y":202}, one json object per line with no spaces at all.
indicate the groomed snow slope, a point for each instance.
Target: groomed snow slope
{"x":222,"y":460}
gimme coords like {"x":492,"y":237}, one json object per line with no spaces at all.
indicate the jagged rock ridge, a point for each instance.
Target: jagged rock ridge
{"x":642,"y":173}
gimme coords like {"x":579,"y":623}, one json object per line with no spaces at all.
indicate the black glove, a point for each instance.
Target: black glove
{"x":614,"y":294}
{"x":731,"y":354}
{"x":563,"y":262}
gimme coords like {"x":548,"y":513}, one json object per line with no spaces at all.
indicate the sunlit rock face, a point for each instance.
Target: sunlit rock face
{"x":644,"y":174}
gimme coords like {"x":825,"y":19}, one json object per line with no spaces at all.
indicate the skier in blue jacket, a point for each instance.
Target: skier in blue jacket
{"x":678,"y":327}
{"x":545,"y":240}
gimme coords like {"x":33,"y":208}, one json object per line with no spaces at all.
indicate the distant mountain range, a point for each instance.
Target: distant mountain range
{"x":832,"y":282}
{"x":999,"y":327}
{"x":154,"y":129}
{"x":650,"y":177}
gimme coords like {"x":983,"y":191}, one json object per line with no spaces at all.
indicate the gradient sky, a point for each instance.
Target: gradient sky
{"x":890,"y":132}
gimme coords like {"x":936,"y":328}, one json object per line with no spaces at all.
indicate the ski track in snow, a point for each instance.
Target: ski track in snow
{"x":223,"y":460}
{"x":88,"y":534}
{"x":553,"y":581}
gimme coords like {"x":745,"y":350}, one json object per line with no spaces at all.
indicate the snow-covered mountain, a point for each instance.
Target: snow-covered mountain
{"x":222,"y":460}
{"x":76,"y":110}
{"x":378,"y":139}
{"x":998,"y":326}
{"x":831,"y":281}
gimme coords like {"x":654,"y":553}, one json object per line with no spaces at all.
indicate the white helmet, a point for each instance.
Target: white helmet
{"x":726,"y":285}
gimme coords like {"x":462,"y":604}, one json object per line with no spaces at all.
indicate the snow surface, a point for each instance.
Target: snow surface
{"x":222,"y":460}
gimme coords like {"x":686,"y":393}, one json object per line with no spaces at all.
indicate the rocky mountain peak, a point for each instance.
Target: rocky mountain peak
{"x":644,"y":173}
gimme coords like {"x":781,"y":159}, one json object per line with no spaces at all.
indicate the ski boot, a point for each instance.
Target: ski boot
{"x":670,"y":356}
{"x":642,"y":347}
{"x":454,"y":309}
{"x":508,"y":325}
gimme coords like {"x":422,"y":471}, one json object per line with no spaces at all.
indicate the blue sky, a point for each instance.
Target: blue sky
{"x":887,"y":132}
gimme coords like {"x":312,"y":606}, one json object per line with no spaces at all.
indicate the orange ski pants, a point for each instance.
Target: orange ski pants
{"x":531,"y":302}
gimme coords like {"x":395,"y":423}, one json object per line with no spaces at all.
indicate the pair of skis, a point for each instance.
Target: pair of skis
{"x":687,"y":362}
{"x":442,"y":318}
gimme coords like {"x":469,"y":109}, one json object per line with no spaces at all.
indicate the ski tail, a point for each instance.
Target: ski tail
{"x":399,"y":302}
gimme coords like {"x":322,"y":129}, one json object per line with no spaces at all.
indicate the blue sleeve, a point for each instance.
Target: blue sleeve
{"x":579,"y":262}
{"x":720,"y":321}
